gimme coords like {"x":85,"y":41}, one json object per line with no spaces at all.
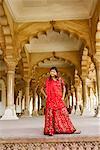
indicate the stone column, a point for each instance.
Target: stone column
{"x":3,"y":93}
{"x":19,"y":103}
{"x":27,"y":99}
{"x":31,"y":105}
{"x":78,"y":111}
{"x":98,"y":87}
{"x":73,"y":99}
{"x":97,"y":63}
{"x":84,"y":67}
{"x":74,"y":106}
{"x":70,"y":98}
{"x":10,"y":110}
{"x":84,"y":96}
{"x":92,"y":111}
{"x":77,"y":83}
{"x":86,"y":100}
{"x":39,"y":102}
{"x":23,"y":103}
{"x":10,"y":87}
{"x":35,"y":110}
{"x":96,"y":93}
{"x":27,"y":95}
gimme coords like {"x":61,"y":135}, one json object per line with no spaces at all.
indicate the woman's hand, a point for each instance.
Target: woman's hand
{"x":62,"y":98}
{"x":46,"y":96}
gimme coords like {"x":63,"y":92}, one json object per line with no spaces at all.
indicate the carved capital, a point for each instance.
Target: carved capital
{"x":1,"y":10}
{"x":97,"y":58}
{"x":6,"y":30}
{"x":72,"y":88}
{"x":3,"y":20}
{"x":0,"y":1}
{"x":98,"y":40}
{"x":84,"y":76}
{"x":98,"y":26}
{"x":11,"y":63}
{"x":76,"y":79}
{"x":98,"y":65}
{"x":84,"y":63}
{"x":27,"y":80}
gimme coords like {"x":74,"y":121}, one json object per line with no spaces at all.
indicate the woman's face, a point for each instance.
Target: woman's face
{"x":53,"y":73}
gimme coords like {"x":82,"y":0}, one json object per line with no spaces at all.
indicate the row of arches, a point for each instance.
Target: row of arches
{"x":72,"y":82}
{"x":22,"y":66}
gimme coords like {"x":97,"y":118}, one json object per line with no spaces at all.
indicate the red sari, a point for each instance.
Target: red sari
{"x":56,"y":115}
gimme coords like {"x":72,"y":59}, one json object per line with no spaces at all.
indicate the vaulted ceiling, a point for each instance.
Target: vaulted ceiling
{"x":42,"y":27}
{"x":47,"y":10}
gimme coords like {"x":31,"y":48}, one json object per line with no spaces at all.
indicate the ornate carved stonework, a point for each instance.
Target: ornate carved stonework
{"x":52,"y":144}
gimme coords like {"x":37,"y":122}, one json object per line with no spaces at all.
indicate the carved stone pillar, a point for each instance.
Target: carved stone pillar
{"x":77,"y":82}
{"x":78,"y":111}
{"x":98,"y":87}
{"x":27,"y":98}
{"x":67,"y":99}
{"x":10,"y":87}
{"x":19,"y":103}
{"x":92,"y":108}
{"x":73,"y":100}
{"x":84,"y":96}
{"x":87,"y":101}
{"x":35,"y":110}
{"x":70,"y":99}
{"x":27,"y":95}
{"x":39,"y":100}
{"x":10,"y":110}
{"x":85,"y":67}
{"x":23,"y":103}
{"x":97,"y":62}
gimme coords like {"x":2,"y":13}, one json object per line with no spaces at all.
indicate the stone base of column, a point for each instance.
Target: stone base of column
{"x":78,"y":111}
{"x":2,"y":109}
{"x":98,"y":112}
{"x":35,"y":113}
{"x":26,"y":113}
{"x":73,"y":110}
{"x":87,"y":112}
{"x":10,"y":114}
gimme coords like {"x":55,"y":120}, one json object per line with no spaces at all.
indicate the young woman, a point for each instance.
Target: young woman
{"x":56,"y":116}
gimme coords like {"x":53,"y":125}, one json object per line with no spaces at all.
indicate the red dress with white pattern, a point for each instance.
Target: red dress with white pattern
{"x":56,"y":115}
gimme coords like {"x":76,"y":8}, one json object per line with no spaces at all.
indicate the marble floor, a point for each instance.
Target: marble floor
{"x":32,"y":127}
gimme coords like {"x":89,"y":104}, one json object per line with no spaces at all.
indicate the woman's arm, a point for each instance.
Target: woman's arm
{"x":64,"y":91}
{"x":63,"y":88}
{"x":43,"y":92}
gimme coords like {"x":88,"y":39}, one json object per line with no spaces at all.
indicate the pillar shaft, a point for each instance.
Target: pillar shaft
{"x":98,"y":87}
{"x":78,"y":111}
{"x":97,"y":61}
{"x":10,"y":110}
{"x":84,"y":92}
{"x":98,"y":81}
{"x":10,"y":87}
{"x":35,"y":110}
{"x":27,"y":95}
{"x":27,"y":98}
{"x":85,"y":109}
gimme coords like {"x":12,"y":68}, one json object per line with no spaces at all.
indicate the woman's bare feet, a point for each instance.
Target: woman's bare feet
{"x":77,"y":132}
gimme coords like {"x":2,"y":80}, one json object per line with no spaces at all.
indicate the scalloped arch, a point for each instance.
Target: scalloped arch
{"x":56,"y":29}
{"x":72,"y":34}
{"x":48,"y":58}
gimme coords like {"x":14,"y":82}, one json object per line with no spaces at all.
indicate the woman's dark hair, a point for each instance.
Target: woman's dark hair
{"x":54,"y":68}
